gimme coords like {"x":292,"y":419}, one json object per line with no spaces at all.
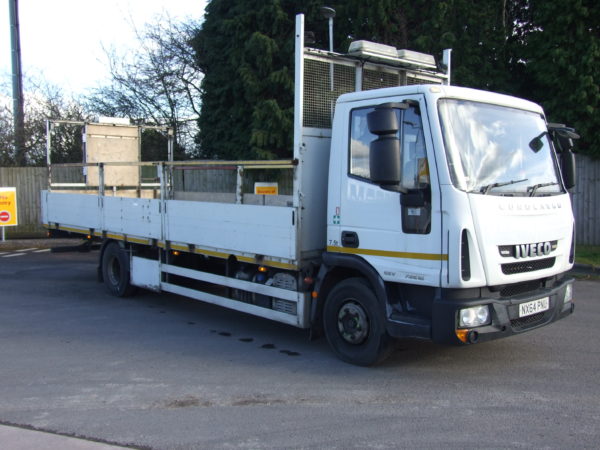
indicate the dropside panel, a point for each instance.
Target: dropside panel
{"x":79,"y":210}
{"x":255,"y":230}
{"x":260,"y":230}
{"x":132,"y":216}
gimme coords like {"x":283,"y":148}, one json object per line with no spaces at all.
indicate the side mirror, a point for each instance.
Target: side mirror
{"x":383,"y":120}
{"x":536,"y":144}
{"x":565,"y":142}
{"x":567,"y":159}
{"x":563,"y":137}
{"x":385,"y":151}
{"x":384,"y":161}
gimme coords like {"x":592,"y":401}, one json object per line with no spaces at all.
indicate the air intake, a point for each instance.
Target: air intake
{"x":465,"y":259}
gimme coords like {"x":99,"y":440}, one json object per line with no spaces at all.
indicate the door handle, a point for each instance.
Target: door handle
{"x":349,"y":239}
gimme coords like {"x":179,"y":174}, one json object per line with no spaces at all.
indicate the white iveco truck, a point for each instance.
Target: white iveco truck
{"x":417,"y":209}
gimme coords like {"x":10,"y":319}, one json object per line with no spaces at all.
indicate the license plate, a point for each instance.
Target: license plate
{"x":534,"y":307}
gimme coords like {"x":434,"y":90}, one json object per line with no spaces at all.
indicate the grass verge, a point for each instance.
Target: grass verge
{"x":588,"y":254}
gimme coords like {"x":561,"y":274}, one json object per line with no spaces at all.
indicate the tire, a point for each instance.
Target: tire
{"x":354,"y":324}
{"x":115,"y":271}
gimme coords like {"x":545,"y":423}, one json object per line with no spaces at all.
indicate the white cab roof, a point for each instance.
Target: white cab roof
{"x":436,"y":91}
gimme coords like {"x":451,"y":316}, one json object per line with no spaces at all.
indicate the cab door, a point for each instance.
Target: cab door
{"x":397,"y":230}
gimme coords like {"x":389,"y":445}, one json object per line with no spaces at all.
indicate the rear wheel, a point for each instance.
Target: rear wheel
{"x":354,"y":324}
{"x":115,"y":271}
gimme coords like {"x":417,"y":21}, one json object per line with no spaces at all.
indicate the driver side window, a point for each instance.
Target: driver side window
{"x":360,"y":141}
{"x":415,"y":169}
{"x":414,"y":177}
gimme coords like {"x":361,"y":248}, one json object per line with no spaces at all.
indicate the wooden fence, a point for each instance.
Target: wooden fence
{"x":29,"y":181}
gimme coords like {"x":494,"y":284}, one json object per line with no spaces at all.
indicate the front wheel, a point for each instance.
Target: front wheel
{"x":115,"y":271}
{"x":354,"y":324}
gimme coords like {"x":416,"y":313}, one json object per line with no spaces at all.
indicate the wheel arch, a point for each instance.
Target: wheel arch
{"x":337,"y":267}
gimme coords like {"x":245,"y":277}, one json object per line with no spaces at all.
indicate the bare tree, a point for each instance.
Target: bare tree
{"x":158,"y":84}
{"x":42,"y":101}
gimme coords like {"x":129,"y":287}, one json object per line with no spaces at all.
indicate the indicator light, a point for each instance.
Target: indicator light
{"x":462,"y":335}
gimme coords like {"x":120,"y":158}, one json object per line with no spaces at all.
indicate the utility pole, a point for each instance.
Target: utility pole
{"x":17,"y":83}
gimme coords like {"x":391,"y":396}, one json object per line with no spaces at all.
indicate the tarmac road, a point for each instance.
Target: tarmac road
{"x":161,"y":371}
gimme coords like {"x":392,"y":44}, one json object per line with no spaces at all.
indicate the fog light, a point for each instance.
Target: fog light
{"x":568,"y":293}
{"x":474,"y":317}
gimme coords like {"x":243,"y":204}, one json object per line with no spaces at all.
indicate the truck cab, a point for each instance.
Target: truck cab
{"x":450,"y":202}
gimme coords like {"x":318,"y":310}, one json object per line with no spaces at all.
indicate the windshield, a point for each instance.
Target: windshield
{"x":497,"y":150}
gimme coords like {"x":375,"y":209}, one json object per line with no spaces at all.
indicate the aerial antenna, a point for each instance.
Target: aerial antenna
{"x":329,"y":14}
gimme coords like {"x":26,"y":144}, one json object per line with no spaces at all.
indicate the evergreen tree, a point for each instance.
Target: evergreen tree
{"x":476,"y":33}
{"x":245,"y":50}
{"x":560,"y":62}
{"x":539,"y":50}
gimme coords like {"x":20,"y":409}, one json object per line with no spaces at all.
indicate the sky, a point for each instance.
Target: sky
{"x":62,"y":40}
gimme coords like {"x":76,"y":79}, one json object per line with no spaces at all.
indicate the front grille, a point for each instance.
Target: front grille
{"x":527,"y":266}
{"x":530,"y":321}
{"x":519,"y":288}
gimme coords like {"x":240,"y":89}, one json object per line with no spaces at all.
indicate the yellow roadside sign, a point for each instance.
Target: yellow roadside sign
{"x":266,"y":188}
{"x":8,"y":206}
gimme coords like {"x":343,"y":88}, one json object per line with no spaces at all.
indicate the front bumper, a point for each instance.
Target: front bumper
{"x":504,"y":311}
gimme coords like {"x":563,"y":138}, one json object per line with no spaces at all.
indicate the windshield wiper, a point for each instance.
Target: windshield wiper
{"x":533,"y":189}
{"x":485,"y":189}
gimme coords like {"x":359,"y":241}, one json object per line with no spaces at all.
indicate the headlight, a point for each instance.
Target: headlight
{"x":568,"y":293}
{"x":474,"y":317}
